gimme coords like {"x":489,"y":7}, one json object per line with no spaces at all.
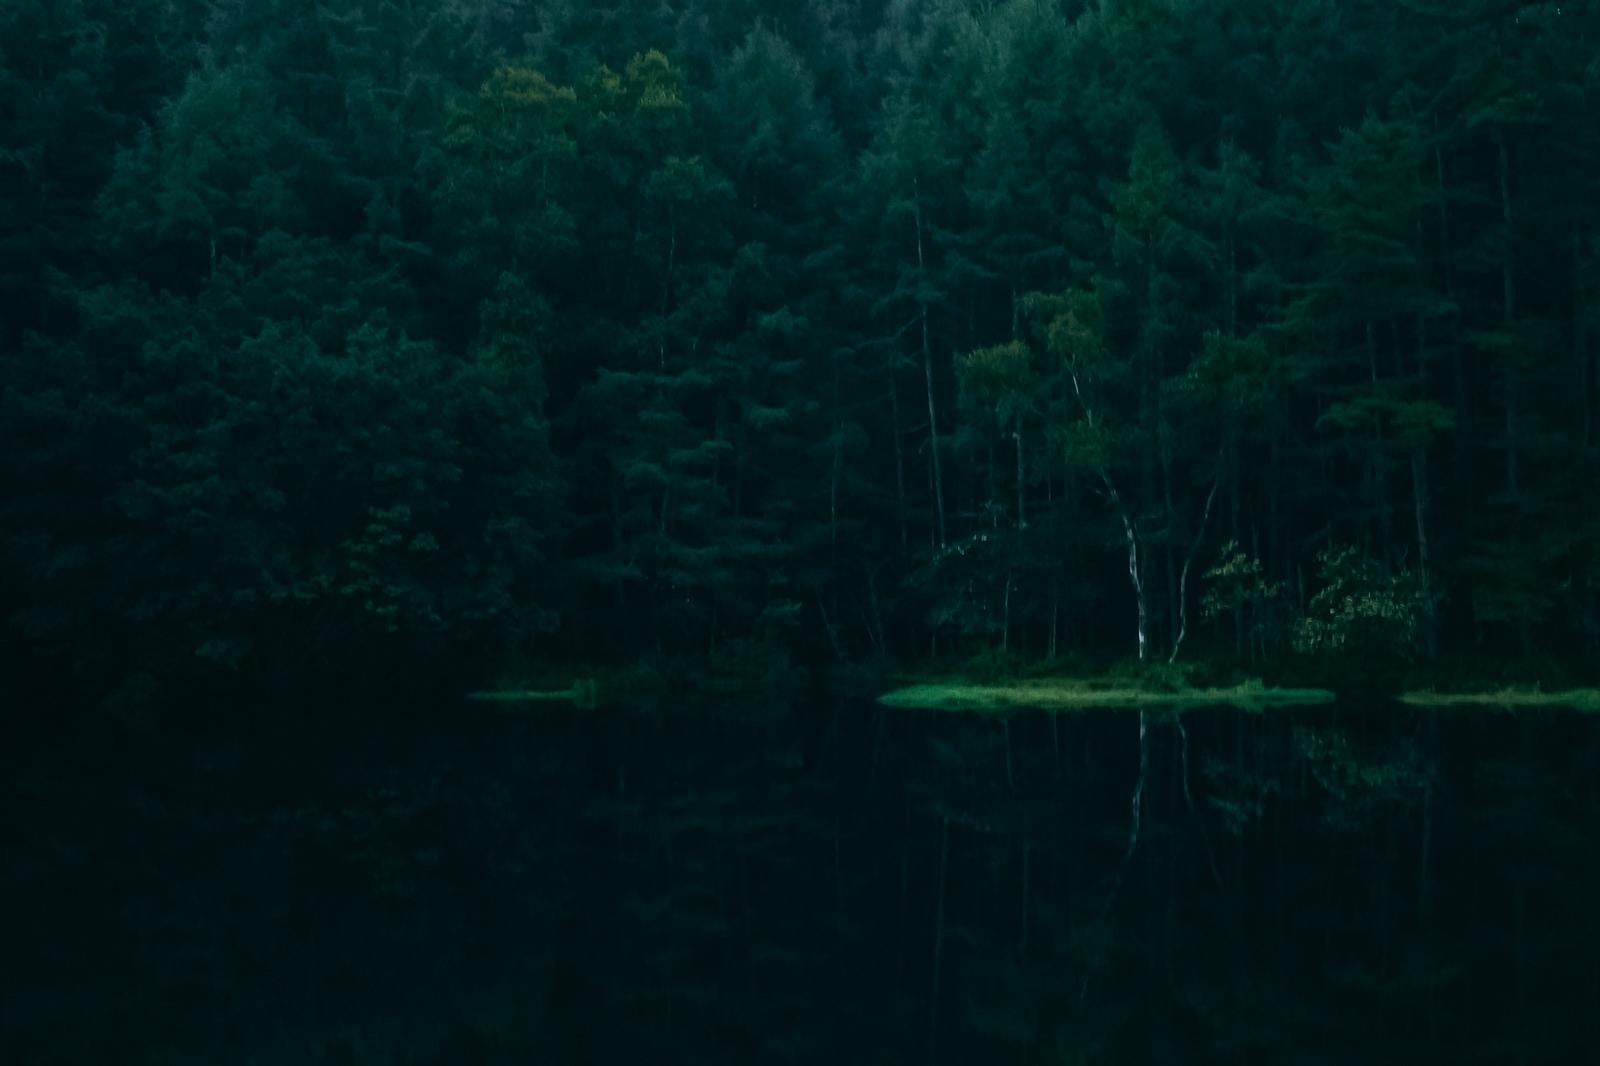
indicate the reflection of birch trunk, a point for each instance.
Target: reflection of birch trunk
{"x":938,"y":941}
{"x":1027,"y":849}
{"x":1055,"y":741}
{"x":1138,"y":801}
{"x":905,"y":892}
{"x":1519,"y":966}
{"x":1133,"y":841}
{"x":1188,"y":799}
{"x":1424,"y":903}
{"x":1005,"y":728}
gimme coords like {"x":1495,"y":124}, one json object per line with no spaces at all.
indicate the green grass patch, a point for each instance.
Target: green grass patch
{"x":1580,"y":699}
{"x":1070,"y":694}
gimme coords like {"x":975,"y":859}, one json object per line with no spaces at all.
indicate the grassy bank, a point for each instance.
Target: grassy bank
{"x":991,"y":683}
{"x":1066,"y":694}
{"x":1582,"y":699}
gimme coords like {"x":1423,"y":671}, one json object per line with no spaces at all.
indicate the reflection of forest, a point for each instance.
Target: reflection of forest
{"x":1340,"y":884}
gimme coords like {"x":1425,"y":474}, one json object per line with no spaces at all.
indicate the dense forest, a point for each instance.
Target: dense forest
{"x":373,"y":347}
{"x":371,"y":371}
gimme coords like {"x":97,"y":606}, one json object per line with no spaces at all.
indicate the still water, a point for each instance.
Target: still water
{"x":815,"y":881}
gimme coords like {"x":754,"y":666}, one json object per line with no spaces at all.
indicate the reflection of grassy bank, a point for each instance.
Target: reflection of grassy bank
{"x":582,"y":695}
{"x":529,"y":691}
{"x":1582,"y":699}
{"x":1064,"y":694}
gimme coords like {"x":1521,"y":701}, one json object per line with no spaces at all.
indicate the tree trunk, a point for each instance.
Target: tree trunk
{"x":1183,"y":581}
{"x":927,"y":374}
{"x":1513,"y":465}
{"x":738,"y":468}
{"x":1170,"y":578}
{"x":899,"y":458}
{"x":992,"y":505}
{"x":666,"y":283}
{"x":833,"y":478}
{"x":1171,"y":572}
{"x":1580,"y":342}
{"x":1022,"y":481}
{"x":1149,"y":379}
{"x":1136,"y":575}
{"x":1135,"y":565}
{"x":1508,"y":282}
{"x":1055,"y":614}
{"x":1419,"y":495}
{"x":933,"y":432}
{"x":827,"y":625}
{"x":1274,"y":565}
{"x":877,"y":615}
{"x":1129,"y":529}
{"x":616,"y":538}
{"x":1380,"y":462}
{"x":1005,"y":624}
{"x":1232,"y":321}
{"x":1235,"y":492}
{"x":1445,"y":250}
{"x":1458,"y":370}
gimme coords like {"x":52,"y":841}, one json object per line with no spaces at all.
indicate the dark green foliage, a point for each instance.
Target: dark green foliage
{"x":462,"y":334}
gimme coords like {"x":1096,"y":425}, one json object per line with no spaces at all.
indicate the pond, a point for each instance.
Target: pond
{"x":812,"y":879}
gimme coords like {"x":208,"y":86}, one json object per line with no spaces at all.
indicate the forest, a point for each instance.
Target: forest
{"x":475,"y":469}
{"x":380,"y":349}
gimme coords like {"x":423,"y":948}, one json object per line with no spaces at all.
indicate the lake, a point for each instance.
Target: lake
{"x":810,"y":879}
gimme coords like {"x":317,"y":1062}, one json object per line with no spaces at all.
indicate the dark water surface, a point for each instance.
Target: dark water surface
{"x":815,"y":881}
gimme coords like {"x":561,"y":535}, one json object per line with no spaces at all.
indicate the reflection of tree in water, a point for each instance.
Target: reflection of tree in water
{"x":1338,"y":885}
{"x":1267,"y":879}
